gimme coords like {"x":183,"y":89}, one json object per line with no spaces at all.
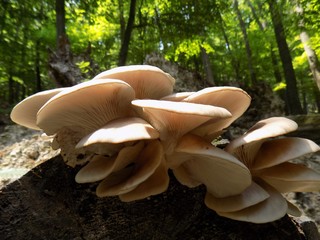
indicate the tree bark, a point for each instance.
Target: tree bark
{"x":46,"y":203}
{"x":292,"y":96}
{"x":127,"y":35}
{"x":252,"y":73}
{"x":207,"y":67}
{"x":60,"y":20}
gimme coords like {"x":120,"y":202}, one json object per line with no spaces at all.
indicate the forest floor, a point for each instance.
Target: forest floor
{"x":23,"y":149}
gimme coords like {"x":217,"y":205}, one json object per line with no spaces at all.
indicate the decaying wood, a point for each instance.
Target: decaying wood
{"x":46,"y":203}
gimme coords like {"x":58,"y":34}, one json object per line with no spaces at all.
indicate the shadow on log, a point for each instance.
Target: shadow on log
{"x":46,"y":203}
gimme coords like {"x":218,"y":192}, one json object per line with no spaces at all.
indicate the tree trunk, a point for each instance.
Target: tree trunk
{"x":60,"y":20}
{"x":253,"y":78}
{"x":46,"y":203}
{"x":207,"y":67}
{"x":234,"y":62}
{"x":38,"y":73}
{"x":127,"y":35}
{"x":292,"y":97}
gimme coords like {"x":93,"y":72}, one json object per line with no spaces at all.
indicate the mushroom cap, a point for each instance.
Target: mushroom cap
{"x":177,"y":97}
{"x":127,"y":179}
{"x":290,"y":177}
{"x":157,"y":183}
{"x":100,"y":166}
{"x":86,"y":106}
{"x":277,"y":151}
{"x":249,"y":197}
{"x":235,"y":100}
{"x":269,"y":210}
{"x":25,"y":112}
{"x":221,"y":173}
{"x":174,"y":119}
{"x":147,"y":81}
{"x":119,"y":131}
{"x":267,"y":128}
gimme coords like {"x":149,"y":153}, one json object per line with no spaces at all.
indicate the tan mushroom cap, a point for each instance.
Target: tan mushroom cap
{"x":235,"y":100}
{"x":100,"y":166}
{"x":87,"y":106}
{"x":290,"y":177}
{"x":147,"y":81}
{"x":269,"y":210}
{"x":129,"y":178}
{"x":157,"y":183}
{"x":177,"y":97}
{"x":25,"y":112}
{"x":119,"y":131}
{"x":276,"y":151}
{"x":249,"y":197}
{"x":174,"y":119}
{"x":221,"y":173}
{"x":267,"y":128}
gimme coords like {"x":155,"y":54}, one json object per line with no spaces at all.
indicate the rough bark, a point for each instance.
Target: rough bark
{"x":292,"y":97}
{"x":127,"y":35}
{"x":46,"y":203}
{"x":61,"y":67}
{"x":207,"y":66}
{"x":60,"y":20}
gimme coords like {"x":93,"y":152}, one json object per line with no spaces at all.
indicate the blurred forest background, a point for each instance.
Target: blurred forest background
{"x":45,"y":44}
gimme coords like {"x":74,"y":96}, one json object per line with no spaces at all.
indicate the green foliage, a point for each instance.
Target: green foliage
{"x":178,"y":29}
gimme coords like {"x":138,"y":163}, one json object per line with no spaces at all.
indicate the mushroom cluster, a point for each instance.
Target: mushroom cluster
{"x":127,"y":129}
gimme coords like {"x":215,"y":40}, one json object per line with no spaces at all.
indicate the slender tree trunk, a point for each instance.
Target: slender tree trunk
{"x":234,"y":62}
{"x":60,"y":20}
{"x":253,"y":78}
{"x":292,"y":96}
{"x":127,"y":35}
{"x":38,"y":74}
{"x":207,"y":67}
{"x":11,"y":90}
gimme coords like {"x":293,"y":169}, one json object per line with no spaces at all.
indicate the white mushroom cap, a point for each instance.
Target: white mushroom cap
{"x":25,"y":112}
{"x":221,"y":173}
{"x":276,"y":151}
{"x":235,"y":100}
{"x":157,"y":183}
{"x":86,"y":106}
{"x":129,"y":178}
{"x":249,"y":197}
{"x":177,"y":97}
{"x":100,"y":166}
{"x":267,"y":128}
{"x":147,"y":81}
{"x":174,"y":119}
{"x":269,"y":210}
{"x":119,"y":131}
{"x":290,"y":177}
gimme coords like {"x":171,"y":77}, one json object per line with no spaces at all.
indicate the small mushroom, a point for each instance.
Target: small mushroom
{"x":249,"y":197}
{"x":221,"y":173}
{"x":87,"y":106}
{"x":269,"y":210}
{"x":235,"y":100}
{"x":25,"y":112}
{"x":149,"y":82}
{"x":119,"y":131}
{"x":157,"y":183}
{"x":174,"y":119}
{"x":177,"y":97}
{"x":100,"y":166}
{"x":129,"y":178}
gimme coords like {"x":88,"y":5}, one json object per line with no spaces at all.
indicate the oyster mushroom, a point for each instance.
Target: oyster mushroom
{"x":87,"y":106}
{"x":174,"y":119}
{"x":148,"y":82}
{"x":267,"y":159}
{"x":195,"y":161}
{"x":25,"y":112}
